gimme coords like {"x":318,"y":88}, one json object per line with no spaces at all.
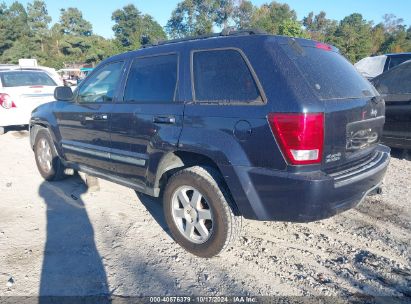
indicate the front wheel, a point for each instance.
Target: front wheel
{"x":2,"y":130}
{"x":47,"y":160}
{"x":199,"y":212}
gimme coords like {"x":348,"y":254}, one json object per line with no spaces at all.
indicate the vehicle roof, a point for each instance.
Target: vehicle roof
{"x":234,"y":39}
{"x":398,"y":54}
{"x":23,"y":70}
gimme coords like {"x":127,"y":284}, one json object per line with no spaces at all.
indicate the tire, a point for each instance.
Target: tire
{"x":2,"y":130}
{"x":207,"y":227}
{"x":48,"y":162}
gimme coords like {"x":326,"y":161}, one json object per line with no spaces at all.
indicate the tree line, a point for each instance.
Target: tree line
{"x":27,"y":32}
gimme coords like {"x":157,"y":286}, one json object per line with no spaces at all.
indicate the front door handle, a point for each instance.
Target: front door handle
{"x":96,"y":117}
{"x":164,"y":119}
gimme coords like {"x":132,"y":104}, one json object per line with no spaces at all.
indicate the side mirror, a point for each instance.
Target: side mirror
{"x":63,"y":93}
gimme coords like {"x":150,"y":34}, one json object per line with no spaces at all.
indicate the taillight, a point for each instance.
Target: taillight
{"x":300,"y":136}
{"x":6,"y":102}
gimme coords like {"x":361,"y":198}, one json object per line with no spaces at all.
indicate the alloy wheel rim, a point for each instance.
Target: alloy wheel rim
{"x":192,"y":214}
{"x":44,"y":155}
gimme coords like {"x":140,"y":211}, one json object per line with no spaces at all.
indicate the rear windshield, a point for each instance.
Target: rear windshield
{"x":328,"y":73}
{"x":26,"y":78}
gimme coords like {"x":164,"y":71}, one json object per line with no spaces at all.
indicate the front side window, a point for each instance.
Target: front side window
{"x":152,"y":79}
{"x":102,"y":85}
{"x":223,"y":76}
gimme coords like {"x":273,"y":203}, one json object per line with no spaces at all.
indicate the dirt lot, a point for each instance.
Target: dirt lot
{"x":60,"y":239}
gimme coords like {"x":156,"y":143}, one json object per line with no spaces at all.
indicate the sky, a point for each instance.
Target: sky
{"x":99,"y":12}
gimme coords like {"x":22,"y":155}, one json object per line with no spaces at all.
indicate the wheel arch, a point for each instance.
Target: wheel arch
{"x":178,"y":160}
{"x":35,"y":127}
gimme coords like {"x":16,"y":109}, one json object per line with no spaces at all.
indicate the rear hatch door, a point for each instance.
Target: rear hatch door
{"x":353,"y":109}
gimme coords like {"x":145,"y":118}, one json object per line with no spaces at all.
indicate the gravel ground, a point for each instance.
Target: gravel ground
{"x":62,"y":239}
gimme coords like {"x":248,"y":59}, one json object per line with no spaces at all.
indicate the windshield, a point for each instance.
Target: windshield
{"x":26,"y":78}
{"x":327,"y":72}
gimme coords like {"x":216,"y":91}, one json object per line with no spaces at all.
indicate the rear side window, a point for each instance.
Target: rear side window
{"x":397,"y":60}
{"x":23,"y":78}
{"x":223,"y":76}
{"x":152,"y":79}
{"x":327,"y":72}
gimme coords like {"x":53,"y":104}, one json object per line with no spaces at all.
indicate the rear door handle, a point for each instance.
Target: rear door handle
{"x":96,"y":117}
{"x":164,"y":119}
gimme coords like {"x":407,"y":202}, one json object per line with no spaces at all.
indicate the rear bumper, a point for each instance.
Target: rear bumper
{"x":13,"y":117}
{"x":306,"y":197}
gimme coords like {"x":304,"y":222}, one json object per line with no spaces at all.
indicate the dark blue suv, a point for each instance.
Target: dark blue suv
{"x":234,"y":125}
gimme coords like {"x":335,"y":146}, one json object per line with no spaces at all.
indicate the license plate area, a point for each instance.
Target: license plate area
{"x":363,"y":134}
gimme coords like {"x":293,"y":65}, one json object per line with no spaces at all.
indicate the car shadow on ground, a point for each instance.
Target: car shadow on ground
{"x":154,"y":206}
{"x":72,"y":265}
{"x":401,"y":153}
{"x":17,"y":131}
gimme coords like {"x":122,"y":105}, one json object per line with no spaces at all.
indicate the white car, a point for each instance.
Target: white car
{"x":21,"y":91}
{"x":371,"y":67}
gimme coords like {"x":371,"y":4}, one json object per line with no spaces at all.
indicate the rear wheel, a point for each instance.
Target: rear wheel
{"x":47,"y":160}
{"x":199,"y":211}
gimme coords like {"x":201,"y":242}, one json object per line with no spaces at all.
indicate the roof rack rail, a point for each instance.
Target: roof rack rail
{"x":225,"y":32}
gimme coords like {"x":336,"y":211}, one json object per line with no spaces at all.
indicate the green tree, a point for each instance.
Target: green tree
{"x":224,"y":12}
{"x":73,"y":23}
{"x":292,"y":28}
{"x":392,"y":24}
{"x":378,"y":38}
{"x":319,"y":27}
{"x":397,"y":42}
{"x":132,"y":29}
{"x":191,"y":18}
{"x":18,"y":20}
{"x":38,"y":21}
{"x":74,"y":46}
{"x":197,"y":17}
{"x":100,"y":49}
{"x":270,"y":16}
{"x":397,"y":38}
{"x":6,"y":33}
{"x":14,"y":31}
{"x":353,"y":37}
{"x":22,"y":48}
{"x":243,"y":14}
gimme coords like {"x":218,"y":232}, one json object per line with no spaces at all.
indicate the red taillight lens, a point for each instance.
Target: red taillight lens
{"x":300,"y":136}
{"x":6,"y":102}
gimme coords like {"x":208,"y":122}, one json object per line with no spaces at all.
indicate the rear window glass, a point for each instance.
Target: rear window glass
{"x":328,"y":73}
{"x":397,"y":60}
{"x":223,"y":76}
{"x":20,"y":79}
